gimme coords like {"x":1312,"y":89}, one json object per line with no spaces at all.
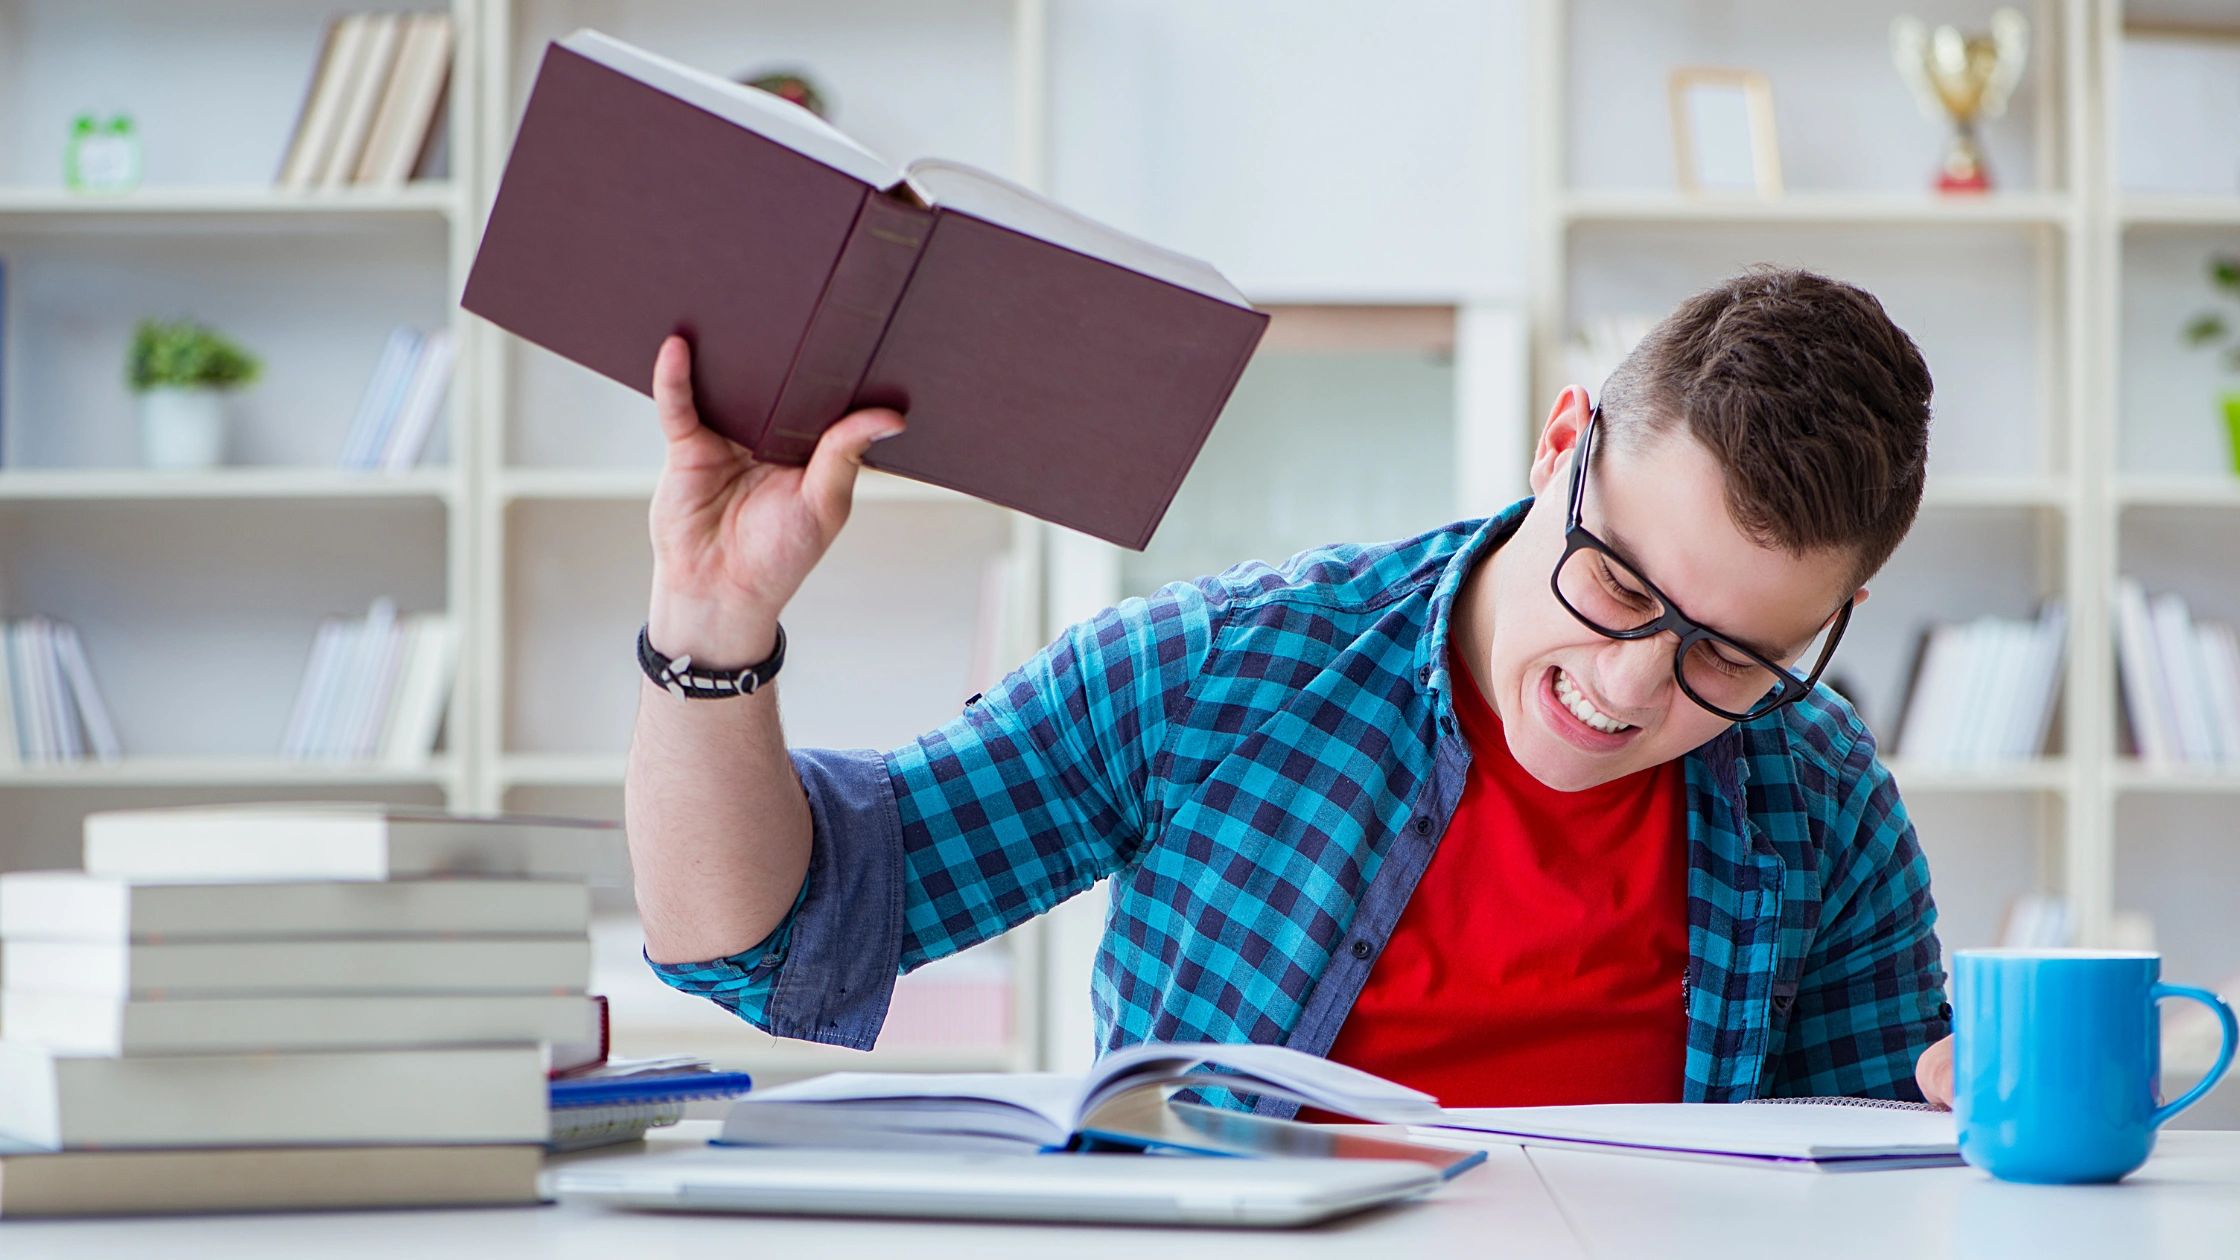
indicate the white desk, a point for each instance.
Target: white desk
{"x":1559,"y":1204}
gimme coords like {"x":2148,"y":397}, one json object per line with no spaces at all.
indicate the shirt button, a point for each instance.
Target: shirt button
{"x":1361,"y":949}
{"x":1423,"y":825}
{"x":1424,"y":674}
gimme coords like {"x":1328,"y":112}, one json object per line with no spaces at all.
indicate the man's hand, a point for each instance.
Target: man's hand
{"x":734,"y":537}
{"x":1934,"y":1073}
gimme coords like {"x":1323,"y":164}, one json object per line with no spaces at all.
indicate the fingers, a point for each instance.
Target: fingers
{"x":1934,"y":1073}
{"x":829,"y":483}
{"x":672,"y":390}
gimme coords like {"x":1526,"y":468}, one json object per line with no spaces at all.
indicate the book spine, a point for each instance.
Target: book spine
{"x":844,"y":333}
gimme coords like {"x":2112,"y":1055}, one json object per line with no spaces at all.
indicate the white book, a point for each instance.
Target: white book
{"x":1831,"y":1136}
{"x":2016,"y":643}
{"x":2181,"y":680}
{"x":11,"y":728}
{"x":414,"y":100}
{"x":39,"y":1183}
{"x":101,"y":733}
{"x":327,"y":688}
{"x":31,"y":725}
{"x":379,"y":397}
{"x":1973,"y":694}
{"x":381,"y":690}
{"x":202,"y":1100}
{"x":1921,"y":738}
{"x":2218,"y":688}
{"x":2151,"y":729}
{"x":220,"y":968}
{"x":2050,"y":653}
{"x":99,"y":1023}
{"x":377,"y":55}
{"x":416,"y":419}
{"x":70,"y":740}
{"x":2204,"y":689}
{"x":1043,"y":1109}
{"x":322,"y":111}
{"x":296,"y":840}
{"x":295,"y":741}
{"x":75,"y":906}
{"x":426,"y":692}
{"x":392,"y":402}
{"x":2225,"y":649}
{"x":354,"y":687}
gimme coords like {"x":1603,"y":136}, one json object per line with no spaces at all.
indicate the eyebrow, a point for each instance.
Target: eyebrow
{"x":1618,"y":544}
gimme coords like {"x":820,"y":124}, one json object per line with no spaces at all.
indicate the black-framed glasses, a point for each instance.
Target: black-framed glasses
{"x":1610,"y":597}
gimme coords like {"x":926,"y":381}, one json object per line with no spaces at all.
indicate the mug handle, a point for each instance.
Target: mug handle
{"x":2224,"y":1052}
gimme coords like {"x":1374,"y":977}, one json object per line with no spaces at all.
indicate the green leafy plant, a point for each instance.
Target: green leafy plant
{"x":187,"y":354}
{"x":2216,"y":328}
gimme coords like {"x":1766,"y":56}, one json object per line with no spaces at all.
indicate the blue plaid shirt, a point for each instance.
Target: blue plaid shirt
{"x":1262,"y":762}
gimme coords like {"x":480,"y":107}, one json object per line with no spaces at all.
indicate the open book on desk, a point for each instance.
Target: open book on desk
{"x":1050,"y":1110}
{"x":1045,"y":362}
{"x":1833,"y":1135}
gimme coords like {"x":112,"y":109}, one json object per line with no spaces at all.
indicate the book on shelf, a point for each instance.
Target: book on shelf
{"x":1046,"y":362}
{"x":277,"y":968}
{"x":402,"y":400}
{"x":1049,"y":1110}
{"x":374,"y":689}
{"x":2180,"y":680}
{"x":76,"y":906}
{"x":467,"y":1095}
{"x":372,"y":109}
{"x":36,"y":1182}
{"x":344,"y":840}
{"x":1983,"y":691}
{"x":56,"y":711}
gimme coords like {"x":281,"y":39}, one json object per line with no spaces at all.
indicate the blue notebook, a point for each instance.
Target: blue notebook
{"x":650,"y":1087}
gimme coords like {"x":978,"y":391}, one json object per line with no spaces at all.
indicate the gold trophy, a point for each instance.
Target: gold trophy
{"x":1963,"y":77}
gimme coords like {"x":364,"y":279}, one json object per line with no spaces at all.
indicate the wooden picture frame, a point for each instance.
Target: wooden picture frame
{"x":1723,"y":141}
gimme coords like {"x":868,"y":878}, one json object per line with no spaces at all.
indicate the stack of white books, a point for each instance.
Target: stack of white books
{"x":1984,"y":691}
{"x":397,"y":412}
{"x":2181,"y":680}
{"x":291,"y":1005}
{"x":50,"y":708}
{"x":374,"y":689}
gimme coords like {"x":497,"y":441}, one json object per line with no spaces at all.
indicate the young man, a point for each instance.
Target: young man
{"x":1543,"y":808}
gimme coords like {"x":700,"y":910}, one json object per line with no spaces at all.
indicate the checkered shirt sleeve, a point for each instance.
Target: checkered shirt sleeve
{"x":1028,"y":797}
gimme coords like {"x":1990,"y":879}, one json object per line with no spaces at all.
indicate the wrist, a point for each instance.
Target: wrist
{"x":711,"y":631}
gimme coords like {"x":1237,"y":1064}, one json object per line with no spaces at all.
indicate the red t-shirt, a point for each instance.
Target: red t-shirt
{"x":1539,"y":961}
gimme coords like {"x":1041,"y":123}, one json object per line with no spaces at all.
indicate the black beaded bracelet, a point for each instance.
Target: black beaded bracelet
{"x":680,"y":677}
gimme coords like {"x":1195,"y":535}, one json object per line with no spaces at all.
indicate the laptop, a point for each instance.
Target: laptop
{"x":1128,"y":1189}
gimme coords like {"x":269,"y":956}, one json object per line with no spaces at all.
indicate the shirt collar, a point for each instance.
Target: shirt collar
{"x":1431,"y":650}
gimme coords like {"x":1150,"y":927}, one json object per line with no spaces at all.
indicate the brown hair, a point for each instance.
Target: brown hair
{"x":1815,"y":405}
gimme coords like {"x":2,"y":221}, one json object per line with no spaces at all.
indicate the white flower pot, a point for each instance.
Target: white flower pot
{"x":182,"y":427}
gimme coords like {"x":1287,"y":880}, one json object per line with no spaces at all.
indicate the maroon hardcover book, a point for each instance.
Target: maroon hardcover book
{"x":1046,"y":362}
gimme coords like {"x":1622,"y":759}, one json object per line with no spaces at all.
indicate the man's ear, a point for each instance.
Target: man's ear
{"x":1567,"y":419}
{"x":1859,"y":599}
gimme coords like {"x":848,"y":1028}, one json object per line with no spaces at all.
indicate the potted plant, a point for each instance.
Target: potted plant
{"x":2215,"y":328}
{"x":182,"y":372}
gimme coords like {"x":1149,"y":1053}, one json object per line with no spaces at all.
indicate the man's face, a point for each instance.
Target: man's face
{"x":1660,"y":502}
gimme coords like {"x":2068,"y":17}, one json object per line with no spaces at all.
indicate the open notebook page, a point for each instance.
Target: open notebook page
{"x":761,"y":112}
{"x":957,"y":186}
{"x":1811,"y":1131}
{"x":898,"y":1096}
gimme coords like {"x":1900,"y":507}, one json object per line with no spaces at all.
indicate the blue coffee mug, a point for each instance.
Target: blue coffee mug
{"x":2057,"y":1061}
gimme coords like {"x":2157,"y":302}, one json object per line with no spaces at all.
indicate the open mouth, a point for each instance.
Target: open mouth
{"x":1577,"y":719}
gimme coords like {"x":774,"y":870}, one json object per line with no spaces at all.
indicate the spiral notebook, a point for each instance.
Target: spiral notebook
{"x":1824,"y":1135}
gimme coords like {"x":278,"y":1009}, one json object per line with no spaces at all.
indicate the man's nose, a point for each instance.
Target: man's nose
{"x":1636,"y":672}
